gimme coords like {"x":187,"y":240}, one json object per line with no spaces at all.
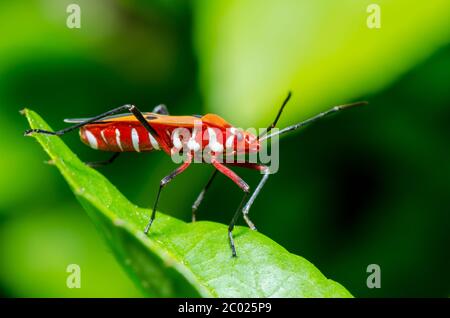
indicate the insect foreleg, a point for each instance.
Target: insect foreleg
{"x":265,"y":171}
{"x":233,"y":222}
{"x":250,"y":201}
{"x":241,"y":184}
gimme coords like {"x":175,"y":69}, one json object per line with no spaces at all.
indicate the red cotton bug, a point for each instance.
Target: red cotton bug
{"x":191,"y":136}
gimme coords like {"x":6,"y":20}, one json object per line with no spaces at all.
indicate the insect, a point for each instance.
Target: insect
{"x":137,"y":131}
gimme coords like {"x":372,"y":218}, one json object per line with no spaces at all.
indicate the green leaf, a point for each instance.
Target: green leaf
{"x":184,"y":259}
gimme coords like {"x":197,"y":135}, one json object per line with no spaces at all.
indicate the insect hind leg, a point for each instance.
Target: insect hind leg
{"x":131,"y":108}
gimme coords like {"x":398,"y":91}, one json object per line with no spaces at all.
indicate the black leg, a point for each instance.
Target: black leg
{"x":244,"y":187}
{"x":161,"y":109}
{"x":250,"y":201}
{"x":104,"y":162}
{"x":131,"y":108}
{"x":232,"y":223}
{"x":202,"y":195}
{"x":245,"y":210}
{"x":162,"y":184}
{"x":265,"y":171}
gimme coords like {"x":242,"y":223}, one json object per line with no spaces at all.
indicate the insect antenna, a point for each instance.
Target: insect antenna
{"x":312,"y":119}
{"x":288,"y":97}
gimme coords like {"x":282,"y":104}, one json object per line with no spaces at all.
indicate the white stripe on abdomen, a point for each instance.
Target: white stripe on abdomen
{"x":153,"y":141}
{"x":102,"y":133}
{"x":135,"y":139}
{"x":91,"y":139}
{"x":118,"y":139}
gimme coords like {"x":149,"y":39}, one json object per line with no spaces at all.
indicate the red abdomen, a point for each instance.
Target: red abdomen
{"x":118,"y":137}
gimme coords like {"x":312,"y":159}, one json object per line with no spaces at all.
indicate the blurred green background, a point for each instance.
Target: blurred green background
{"x":371,"y":185}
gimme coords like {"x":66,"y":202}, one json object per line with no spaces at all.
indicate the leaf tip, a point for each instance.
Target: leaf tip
{"x":79,"y":191}
{"x":119,"y":222}
{"x":50,"y":162}
{"x":28,"y":132}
